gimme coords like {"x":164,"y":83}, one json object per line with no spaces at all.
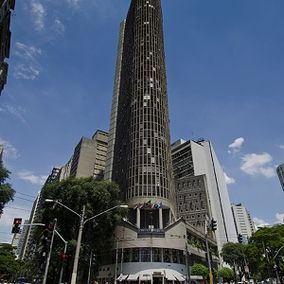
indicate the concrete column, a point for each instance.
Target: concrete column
{"x":138,"y":217}
{"x":160,"y":218}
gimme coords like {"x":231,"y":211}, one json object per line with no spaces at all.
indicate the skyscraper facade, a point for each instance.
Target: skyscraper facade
{"x":5,"y":37}
{"x":139,"y":153}
{"x":1,"y":152}
{"x":243,"y":222}
{"x":280,"y":173}
{"x":199,"y":161}
{"x":141,"y":159}
{"x":90,"y":156}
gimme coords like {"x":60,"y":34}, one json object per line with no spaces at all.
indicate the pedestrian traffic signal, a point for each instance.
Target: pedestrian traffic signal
{"x":46,"y":237}
{"x":63,"y":257}
{"x":213,"y":225}
{"x":240,"y":238}
{"x":16,"y":225}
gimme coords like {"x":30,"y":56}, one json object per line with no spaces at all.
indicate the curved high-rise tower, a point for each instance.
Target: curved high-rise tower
{"x":139,"y":153}
{"x":140,"y":156}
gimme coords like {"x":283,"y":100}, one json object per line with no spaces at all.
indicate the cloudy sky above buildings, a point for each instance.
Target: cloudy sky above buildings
{"x":225,"y":67}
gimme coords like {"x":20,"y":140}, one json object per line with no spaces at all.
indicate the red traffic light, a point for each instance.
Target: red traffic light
{"x":17,"y":221}
{"x":49,"y":226}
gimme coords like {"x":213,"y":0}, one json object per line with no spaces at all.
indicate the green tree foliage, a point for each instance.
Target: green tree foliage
{"x":259,"y":253}
{"x":226,"y":273}
{"x":6,"y":191}
{"x":97,"y":196}
{"x":200,"y":269}
{"x":268,"y":242}
{"x":232,"y":254}
{"x":9,"y":266}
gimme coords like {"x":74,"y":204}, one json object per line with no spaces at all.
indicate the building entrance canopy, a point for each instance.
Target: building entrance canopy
{"x":149,"y":274}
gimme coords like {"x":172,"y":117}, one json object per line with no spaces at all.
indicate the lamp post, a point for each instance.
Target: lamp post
{"x":275,"y":264}
{"x":83,"y":221}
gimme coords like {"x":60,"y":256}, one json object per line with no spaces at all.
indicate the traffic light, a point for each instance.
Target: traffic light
{"x":240,"y":238}
{"x":63,"y":257}
{"x":213,"y":225}
{"x":46,"y":238}
{"x":16,"y":225}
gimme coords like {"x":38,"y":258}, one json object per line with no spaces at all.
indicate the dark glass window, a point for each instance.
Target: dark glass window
{"x":156,"y":255}
{"x":135,"y":255}
{"x":145,"y":254}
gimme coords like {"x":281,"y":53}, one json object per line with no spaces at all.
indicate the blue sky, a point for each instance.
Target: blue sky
{"x":225,"y":67}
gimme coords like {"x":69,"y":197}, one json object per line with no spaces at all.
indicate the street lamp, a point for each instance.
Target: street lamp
{"x":83,"y":221}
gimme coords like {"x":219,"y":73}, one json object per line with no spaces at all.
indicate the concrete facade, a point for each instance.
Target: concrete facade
{"x":1,"y":152}
{"x":196,"y":159}
{"x":90,"y":156}
{"x":243,"y":222}
{"x":280,"y":173}
{"x":5,"y":37}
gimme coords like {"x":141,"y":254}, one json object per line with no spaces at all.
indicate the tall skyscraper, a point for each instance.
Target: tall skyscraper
{"x":139,"y":153}
{"x":1,"y":152}
{"x":5,"y":37}
{"x":197,"y":171}
{"x":243,"y":222}
{"x":280,"y":173}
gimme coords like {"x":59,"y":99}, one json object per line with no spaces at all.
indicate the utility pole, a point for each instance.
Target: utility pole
{"x":49,"y":253}
{"x":208,"y":251}
{"x":78,"y":246}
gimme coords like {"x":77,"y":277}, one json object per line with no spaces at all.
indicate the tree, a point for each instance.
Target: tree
{"x":233,"y":254}
{"x":268,"y":241}
{"x":226,"y":273}
{"x":6,"y":191}
{"x":97,"y":196}
{"x":9,"y":266}
{"x":200,"y":269}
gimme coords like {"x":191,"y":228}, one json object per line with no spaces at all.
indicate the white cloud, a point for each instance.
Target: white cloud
{"x":22,"y":71}
{"x":28,"y":68}
{"x":280,"y":217}
{"x":229,"y":180}
{"x":16,"y":111}
{"x":281,"y":147}
{"x":260,"y":222}
{"x":73,"y":3}
{"x":58,"y":27}
{"x":27,"y":52}
{"x":31,"y":177}
{"x":236,"y":145}
{"x":10,"y":152}
{"x":258,"y":164}
{"x":38,"y":14}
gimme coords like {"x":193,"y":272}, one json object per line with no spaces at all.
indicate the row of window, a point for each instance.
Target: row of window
{"x":150,"y":255}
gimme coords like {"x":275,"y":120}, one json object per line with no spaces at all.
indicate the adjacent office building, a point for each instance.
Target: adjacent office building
{"x":280,"y":173}
{"x":88,"y":160}
{"x":5,"y":37}
{"x":1,"y":152}
{"x":201,"y":188}
{"x":243,"y":222}
{"x":89,"y":156}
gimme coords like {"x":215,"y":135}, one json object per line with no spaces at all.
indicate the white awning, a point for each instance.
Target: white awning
{"x":169,"y":275}
{"x":145,"y":277}
{"x":132,"y":277}
{"x":122,"y":277}
{"x":178,"y":276}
